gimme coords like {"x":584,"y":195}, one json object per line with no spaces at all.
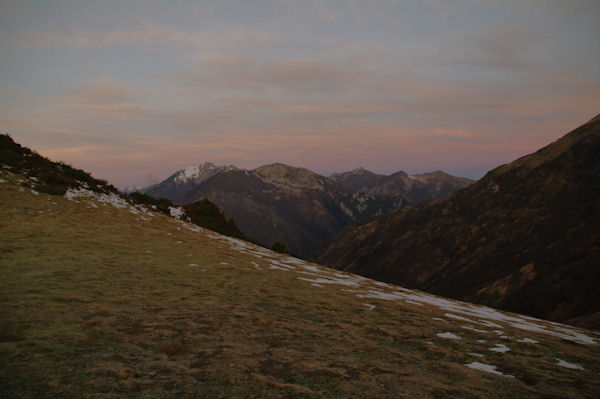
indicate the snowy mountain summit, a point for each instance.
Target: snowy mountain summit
{"x":201,"y":173}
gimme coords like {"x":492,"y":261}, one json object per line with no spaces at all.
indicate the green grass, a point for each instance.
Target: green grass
{"x":96,"y":303}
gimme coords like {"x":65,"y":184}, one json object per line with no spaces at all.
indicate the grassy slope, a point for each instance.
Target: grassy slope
{"x":101,"y":302}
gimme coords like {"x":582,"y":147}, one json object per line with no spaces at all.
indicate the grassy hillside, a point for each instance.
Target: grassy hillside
{"x":100,"y":299}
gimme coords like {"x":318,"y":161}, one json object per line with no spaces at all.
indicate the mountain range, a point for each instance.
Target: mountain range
{"x":101,"y":296}
{"x":417,"y":188}
{"x":294,"y":205}
{"x":524,"y":238}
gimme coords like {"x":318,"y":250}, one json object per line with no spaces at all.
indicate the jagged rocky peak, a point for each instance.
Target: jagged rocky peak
{"x":200,"y":173}
{"x":290,"y":177}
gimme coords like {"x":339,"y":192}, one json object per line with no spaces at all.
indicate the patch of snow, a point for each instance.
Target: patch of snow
{"x":474,"y":329}
{"x":501,"y":348}
{"x":475,"y":354}
{"x":528,"y":341}
{"x":256,"y":265}
{"x":438,"y":319}
{"x":369,"y":306}
{"x":224,"y":263}
{"x":487,"y":368}
{"x":311,"y":268}
{"x":316,"y":285}
{"x":108,"y":199}
{"x":193,"y":264}
{"x":34,"y":192}
{"x":176,"y":212}
{"x":499,"y":332}
{"x":481,"y":341}
{"x":148,"y":252}
{"x":415,"y":303}
{"x":568,"y":365}
{"x":457,"y":317}
{"x":3,"y":181}
{"x":280,"y":264}
{"x":488,"y":323}
{"x":330,"y":280}
{"x":448,"y":335}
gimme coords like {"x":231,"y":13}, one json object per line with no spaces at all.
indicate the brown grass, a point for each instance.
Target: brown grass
{"x":86,"y":311}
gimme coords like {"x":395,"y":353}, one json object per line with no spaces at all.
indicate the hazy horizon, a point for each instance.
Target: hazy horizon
{"x":128,"y":90}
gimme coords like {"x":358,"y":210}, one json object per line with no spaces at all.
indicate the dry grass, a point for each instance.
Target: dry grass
{"x":95,"y":302}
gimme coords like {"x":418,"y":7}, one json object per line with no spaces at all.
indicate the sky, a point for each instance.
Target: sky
{"x":133,"y":91}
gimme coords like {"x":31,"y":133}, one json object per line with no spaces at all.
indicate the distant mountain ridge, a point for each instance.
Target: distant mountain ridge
{"x":277,"y":202}
{"x":524,"y":238}
{"x":417,"y":188}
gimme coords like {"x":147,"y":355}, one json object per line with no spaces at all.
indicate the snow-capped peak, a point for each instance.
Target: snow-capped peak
{"x":200,"y":173}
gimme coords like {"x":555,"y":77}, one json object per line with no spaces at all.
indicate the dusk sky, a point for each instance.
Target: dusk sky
{"x":133,"y":89}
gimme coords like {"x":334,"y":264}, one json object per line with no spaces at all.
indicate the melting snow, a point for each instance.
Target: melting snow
{"x":329,"y":280}
{"x":474,"y":329}
{"x":448,"y":335}
{"x":256,"y":265}
{"x":486,"y":367}
{"x":499,"y":348}
{"x":177,"y":213}
{"x":528,"y":341}
{"x":568,"y":365}
{"x":457,"y":317}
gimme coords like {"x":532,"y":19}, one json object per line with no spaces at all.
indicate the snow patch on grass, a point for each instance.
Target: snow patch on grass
{"x":474,"y":329}
{"x":500,"y":348}
{"x":488,"y":368}
{"x":568,"y":365}
{"x":448,"y":335}
{"x":527,"y":341}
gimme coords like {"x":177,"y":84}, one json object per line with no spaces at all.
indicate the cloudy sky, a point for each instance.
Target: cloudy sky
{"x":135,"y":90}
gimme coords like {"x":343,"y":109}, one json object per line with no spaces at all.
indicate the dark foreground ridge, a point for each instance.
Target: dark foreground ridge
{"x":525,"y":238}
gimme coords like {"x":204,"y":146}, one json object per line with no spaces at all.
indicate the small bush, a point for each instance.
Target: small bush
{"x":52,"y":189}
{"x":206,"y":214}
{"x":280,"y":247}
